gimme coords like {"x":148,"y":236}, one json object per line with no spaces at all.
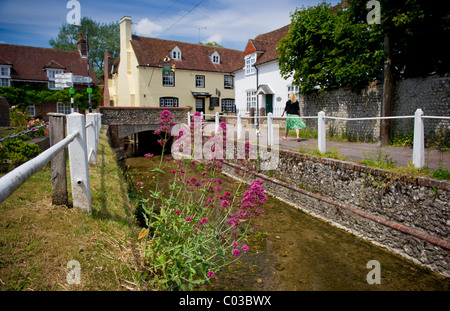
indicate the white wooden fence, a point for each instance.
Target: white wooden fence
{"x":82,"y":142}
{"x":418,"y":157}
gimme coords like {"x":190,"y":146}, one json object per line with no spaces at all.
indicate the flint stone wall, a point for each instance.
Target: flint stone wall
{"x":407,"y":215}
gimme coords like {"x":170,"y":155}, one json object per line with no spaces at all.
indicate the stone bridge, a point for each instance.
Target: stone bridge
{"x":123,"y":122}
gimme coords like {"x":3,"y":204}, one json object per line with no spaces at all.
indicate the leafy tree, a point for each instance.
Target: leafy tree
{"x":212,"y":43}
{"x":329,"y":48}
{"x":325,"y":49}
{"x":418,"y":31}
{"x":102,"y":37}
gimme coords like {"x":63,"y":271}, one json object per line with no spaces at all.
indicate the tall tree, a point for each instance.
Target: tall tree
{"x":416,"y":35}
{"x":102,"y":37}
{"x":325,"y":49}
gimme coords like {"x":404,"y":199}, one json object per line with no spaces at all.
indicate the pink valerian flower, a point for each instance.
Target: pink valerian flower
{"x":225,"y":203}
{"x":177,"y":212}
{"x":173,"y":171}
{"x":188,"y":218}
{"x":245,"y":248}
{"x":236,"y":253}
{"x":235,"y":244}
{"x":210,"y":274}
{"x":148,"y":155}
{"x":251,"y":204}
{"x":197,"y":184}
{"x":139,"y":184}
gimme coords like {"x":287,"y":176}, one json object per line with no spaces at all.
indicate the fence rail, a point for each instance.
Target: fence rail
{"x":80,"y":138}
{"x":32,"y":130}
{"x":418,"y":156}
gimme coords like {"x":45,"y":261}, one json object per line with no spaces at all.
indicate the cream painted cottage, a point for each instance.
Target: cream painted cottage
{"x":162,"y":73}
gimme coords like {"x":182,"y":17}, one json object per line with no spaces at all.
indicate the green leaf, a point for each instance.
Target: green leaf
{"x":157,"y":169}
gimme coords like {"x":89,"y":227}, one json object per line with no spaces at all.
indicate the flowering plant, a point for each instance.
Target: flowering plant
{"x":23,"y":122}
{"x":200,"y":225}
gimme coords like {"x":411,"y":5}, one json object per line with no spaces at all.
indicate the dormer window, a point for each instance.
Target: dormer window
{"x":250,"y":60}
{"x":176,"y":53}
{"x":215,"y":58}
{"x":51,"y":77}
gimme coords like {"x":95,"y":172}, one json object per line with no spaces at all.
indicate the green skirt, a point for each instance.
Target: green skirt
{"x":295,"y":123}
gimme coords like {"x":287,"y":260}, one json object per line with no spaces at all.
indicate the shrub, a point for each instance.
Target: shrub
{"x":18,"y":152}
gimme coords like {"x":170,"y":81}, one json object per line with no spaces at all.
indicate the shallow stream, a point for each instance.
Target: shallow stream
{"x":294,"y":251}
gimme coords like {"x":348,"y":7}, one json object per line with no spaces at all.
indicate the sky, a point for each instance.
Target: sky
{"x":230,"y":23}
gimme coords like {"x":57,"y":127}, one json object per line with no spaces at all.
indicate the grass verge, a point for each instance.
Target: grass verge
{"x":37,"y":240}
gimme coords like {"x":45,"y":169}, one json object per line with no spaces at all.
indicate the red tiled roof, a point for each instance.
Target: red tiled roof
{"x":28,"y":63}
{"x":151,"y":52}
{"x":266,"y":44}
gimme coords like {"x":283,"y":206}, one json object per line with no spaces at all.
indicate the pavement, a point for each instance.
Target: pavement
{"x":356,"y":151}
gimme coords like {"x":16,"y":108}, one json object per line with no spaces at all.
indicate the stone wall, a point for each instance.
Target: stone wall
{"x":407,"y":215}
{"x":344,"y":103}
{"x":432,"y":95}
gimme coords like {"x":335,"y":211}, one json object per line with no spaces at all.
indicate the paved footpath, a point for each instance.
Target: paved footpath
{"x":358,"y":151}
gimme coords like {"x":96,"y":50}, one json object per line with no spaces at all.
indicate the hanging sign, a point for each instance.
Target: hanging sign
{"x":166,"y":70}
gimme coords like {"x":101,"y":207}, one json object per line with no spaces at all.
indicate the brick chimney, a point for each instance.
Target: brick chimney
{"x":82,"y":46}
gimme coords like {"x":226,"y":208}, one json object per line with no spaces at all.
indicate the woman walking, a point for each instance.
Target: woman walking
{"x":293,"y":122}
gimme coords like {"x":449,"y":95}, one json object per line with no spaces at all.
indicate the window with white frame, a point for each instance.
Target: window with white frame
{"x":64,"y":108}
{"x":51,"y":77}
{"x":251,"y":100}
{"x":169,"y":80}
{"x":228,"y":82}
{"x":5,"y":76}
{"x":168,"y":102}
{"x":200,"y":81}
{"x":176,"y":53}
{"x":215,"y":58}
{"x":293,"y":88}
{"x":32,"y":110}
{"x":228,"y":105}
{"x":250,"y":60}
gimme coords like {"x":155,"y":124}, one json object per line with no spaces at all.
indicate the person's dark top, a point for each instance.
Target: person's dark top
{"x":292,"y":108}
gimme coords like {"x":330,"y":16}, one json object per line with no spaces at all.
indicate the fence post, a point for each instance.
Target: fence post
{"x":91,"y":138}
{"x":79,"y":168}
{"x":419,"y":144}
{"x":216,"y":128}
{"x":321,"y":140}
{"x":239,"y":125}
{"x":270,"y":129}
{"x":58,"y":163}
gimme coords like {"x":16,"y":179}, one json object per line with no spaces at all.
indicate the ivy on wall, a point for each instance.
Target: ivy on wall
{"x":24,"y":95}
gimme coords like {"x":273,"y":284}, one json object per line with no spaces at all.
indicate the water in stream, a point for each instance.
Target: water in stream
{"x":296,"y":252}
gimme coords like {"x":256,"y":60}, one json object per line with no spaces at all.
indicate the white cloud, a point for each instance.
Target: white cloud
{"x":215,"y":38}
{"x":145,"y":27}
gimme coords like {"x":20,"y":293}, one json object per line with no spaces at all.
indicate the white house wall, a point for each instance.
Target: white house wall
{"x":268,"y":74}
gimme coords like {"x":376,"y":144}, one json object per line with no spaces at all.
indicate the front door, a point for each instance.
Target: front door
{"x":200,"y":105}
{"x":269,"y":103}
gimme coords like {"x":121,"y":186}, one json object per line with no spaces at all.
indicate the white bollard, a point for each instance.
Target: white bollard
{"x":270,"y":129}
{"x":189,"y":118}
{"x":79,"y":169}
{"x":419,"y":140}
{"x":321,"y":140}
{"x":216,"y":128}
{"x":239,"y":126}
